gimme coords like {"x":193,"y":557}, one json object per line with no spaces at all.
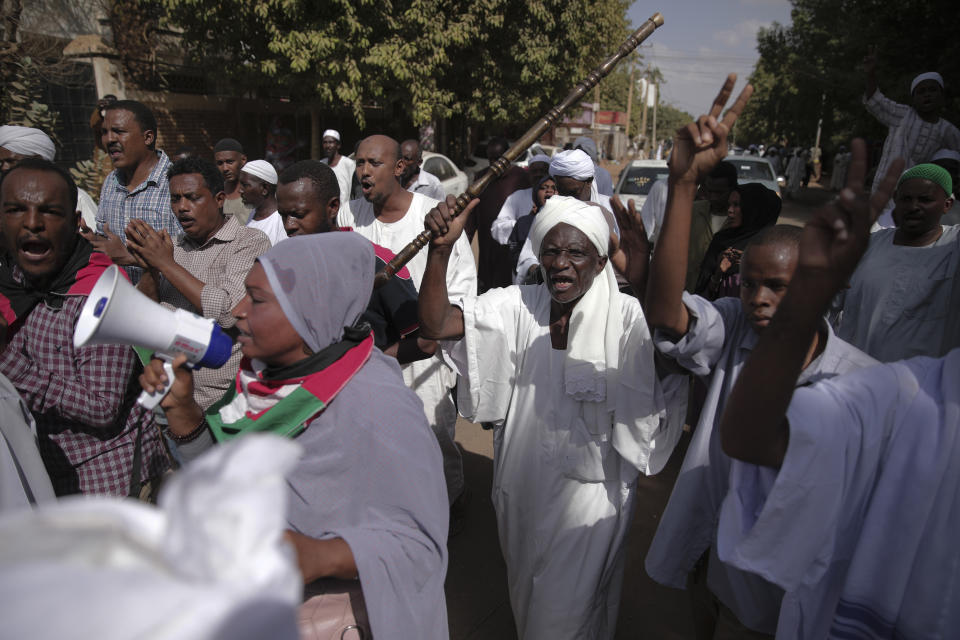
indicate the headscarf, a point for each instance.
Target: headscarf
{"x":930,"y":75}
{"x":261,"y":169}
{"x":27,"y":141}
{"x":592,"y":355}
{"x":323,"y":283}
{"x":588,"y":145}
{"x":577,"y":165}
{"x":759,"y":208}
{"x":932,"y":172}
{"x":538,"y":157}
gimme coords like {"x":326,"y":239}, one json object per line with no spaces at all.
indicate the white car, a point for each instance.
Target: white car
{"x":636,"y":179}
{"x":454,"y":180}
{"x":755,"y":169}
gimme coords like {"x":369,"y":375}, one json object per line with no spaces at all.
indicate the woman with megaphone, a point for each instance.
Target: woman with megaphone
{"x":367,"y":506}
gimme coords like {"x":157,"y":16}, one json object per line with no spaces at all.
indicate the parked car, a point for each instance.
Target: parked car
{"x":756,"y":169}
{"x":636,"y":179}
{"x":454,"y":180}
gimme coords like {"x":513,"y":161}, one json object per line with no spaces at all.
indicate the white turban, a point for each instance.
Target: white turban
{"x":572,"y":164}
{"x":623,"y":395}
{"x":946,"y":154}
{"x":930,"y":75}
{"x":538,"y":157}
{"x":27,"y":142}
{"x":261,"y":169}
{"x":331,"y":133}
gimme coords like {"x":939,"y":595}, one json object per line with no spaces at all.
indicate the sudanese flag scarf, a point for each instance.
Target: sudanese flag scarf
{"x":77,"y":277}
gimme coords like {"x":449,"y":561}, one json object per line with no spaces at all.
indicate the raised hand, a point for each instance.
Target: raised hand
{"x":838,"y":233}
{"x":445,"y":228}
{"x":154,"y":247}
{"x":700,"y":146}
{"x":110,"y":244}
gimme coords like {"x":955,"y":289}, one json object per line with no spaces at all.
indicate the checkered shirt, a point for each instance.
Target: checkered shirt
{"x":222,"y":264}
{"x":83,"y":401}
{"x":910,"y":137}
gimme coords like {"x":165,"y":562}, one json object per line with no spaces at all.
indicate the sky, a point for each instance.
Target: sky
{"x":701,"y":41}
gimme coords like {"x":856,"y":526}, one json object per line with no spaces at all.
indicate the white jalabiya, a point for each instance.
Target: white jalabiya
{"x":272,"y":225}
{"x":344,"y":172}
{"x":518,"y":204}
{"x":431,"y":379}
{"x":903,"y":301}
{"x":428,"y":185}
{"x":565,"y":470}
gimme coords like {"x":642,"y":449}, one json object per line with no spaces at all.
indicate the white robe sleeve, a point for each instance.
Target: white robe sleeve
{"x":461,"y":272}
{"x":508,"y":216}
{"x":527,"y":259}
{"x":486,"y":356}
{"x":786,"y":525}
{"x":700,"y":348}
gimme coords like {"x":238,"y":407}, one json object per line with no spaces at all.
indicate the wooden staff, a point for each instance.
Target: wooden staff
{"x":501,"y":164}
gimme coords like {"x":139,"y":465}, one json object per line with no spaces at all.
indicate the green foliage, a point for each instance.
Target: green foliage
{"x":489,"y":61}
{"x":813,"y":67}
{"x":20,"y":101}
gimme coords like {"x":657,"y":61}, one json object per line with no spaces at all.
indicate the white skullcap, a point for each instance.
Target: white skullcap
{"x":27,"y":142}
{"x":572,"y":164}
{"x":930,"y":75}
{"x":943,"y":154}
{"x":331,"y":133}
{"x":539,"y":157}
{"x":261,"y":169}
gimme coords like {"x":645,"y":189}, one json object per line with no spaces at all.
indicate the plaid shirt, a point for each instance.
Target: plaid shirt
{"x":83,"y":401}
{"x":910,"y":137}
{"x":222,"y":264}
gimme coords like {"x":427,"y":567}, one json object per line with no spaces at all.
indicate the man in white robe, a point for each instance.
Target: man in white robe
{"x":343,"y":167}
{"x":414,"y":178}
{"x":520,"y":202}
{"x":565,"y":370}
{"x":904,"y":297}
{"x":391,"y":216}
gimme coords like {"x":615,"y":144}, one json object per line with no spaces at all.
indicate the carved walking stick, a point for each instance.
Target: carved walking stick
{"x":501,"y":164}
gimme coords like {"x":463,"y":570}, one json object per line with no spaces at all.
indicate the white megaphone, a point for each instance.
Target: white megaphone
{"x":116,"y":313}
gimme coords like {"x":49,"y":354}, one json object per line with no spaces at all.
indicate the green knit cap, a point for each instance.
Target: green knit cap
{"x":932,"y":172}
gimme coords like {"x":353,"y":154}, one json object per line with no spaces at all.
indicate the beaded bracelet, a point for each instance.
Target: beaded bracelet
{"x":190,"y":437}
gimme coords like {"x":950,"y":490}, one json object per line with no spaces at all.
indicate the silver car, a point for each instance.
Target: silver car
{"x":636,"y":179}
{"x":755,"y":169}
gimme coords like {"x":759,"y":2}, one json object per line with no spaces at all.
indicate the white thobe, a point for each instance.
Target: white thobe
{"x":431,"y":379}
{"x":563,"y":494}
{"x":717,"y":344}
{"x":859,"y":525}
{"x":344,"y":171}
{"x":518,"y":204}
{"x":272,"y":225}
{"x":428,"y":185}
{"x":903,"y":301}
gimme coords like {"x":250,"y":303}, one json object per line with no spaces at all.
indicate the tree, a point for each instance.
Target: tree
{"x":811,"y":69}
{"x":487,"y":61}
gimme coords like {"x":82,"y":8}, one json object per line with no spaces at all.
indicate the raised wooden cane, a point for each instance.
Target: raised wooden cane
{"x":501,"y":164}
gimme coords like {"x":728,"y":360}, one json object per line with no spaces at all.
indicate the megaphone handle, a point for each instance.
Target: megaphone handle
{"x":151,"y":400}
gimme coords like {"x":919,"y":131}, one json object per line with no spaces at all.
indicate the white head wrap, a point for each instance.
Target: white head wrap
{"x":930,"y":75}
{"x":622,"y":396}
{"x":588,"y":146}
{"x":331,"y":133}
{"x":539,"y":157}
{"x":27,"y":142}
{"x":573,"y":164}
{"x":261,"y":169}
{"x":943,"y":154}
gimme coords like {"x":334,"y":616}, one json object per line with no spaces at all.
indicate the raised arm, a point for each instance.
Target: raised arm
{"x":440,"y":320}
{"x":697,"y":149}
{"x":754,"y":427}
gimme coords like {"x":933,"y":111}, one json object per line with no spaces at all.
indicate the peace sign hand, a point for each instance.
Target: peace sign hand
{"x":700,"y":146}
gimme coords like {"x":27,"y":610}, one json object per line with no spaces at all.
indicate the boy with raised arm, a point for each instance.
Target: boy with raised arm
{"x":712,"y":340}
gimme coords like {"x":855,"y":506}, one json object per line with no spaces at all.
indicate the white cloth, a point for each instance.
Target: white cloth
{"x":903,"y":301}
{"x":929,"y":75}
{"x":331,"y":133}
{"x":859,"y":525}
{"x":653,"y":210}
{"x":564,"y":487}
{"x":27,"y":141}
{"x":261,"y":169}
{"x":344,"y":171}
{"x":715,"y":347}
{"x":946,"y":154}
{"x":87,"y":208}
{"x":518,"y":204}
{"x":528,"y":256}
{"x":209,"y":562}
{"x":272,"y":225}
{"x":909,"y":137}
{"x":574,"y":164}
{"x":432,"y":378}
{"x":796,"y":169}
{"x":429,"y":185}
{"x":23,"y":477}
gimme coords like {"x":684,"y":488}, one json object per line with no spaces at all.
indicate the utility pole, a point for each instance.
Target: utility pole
{"x":643,"y":119}
{"x":629,"y":103}
{"x":656,"y":99}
